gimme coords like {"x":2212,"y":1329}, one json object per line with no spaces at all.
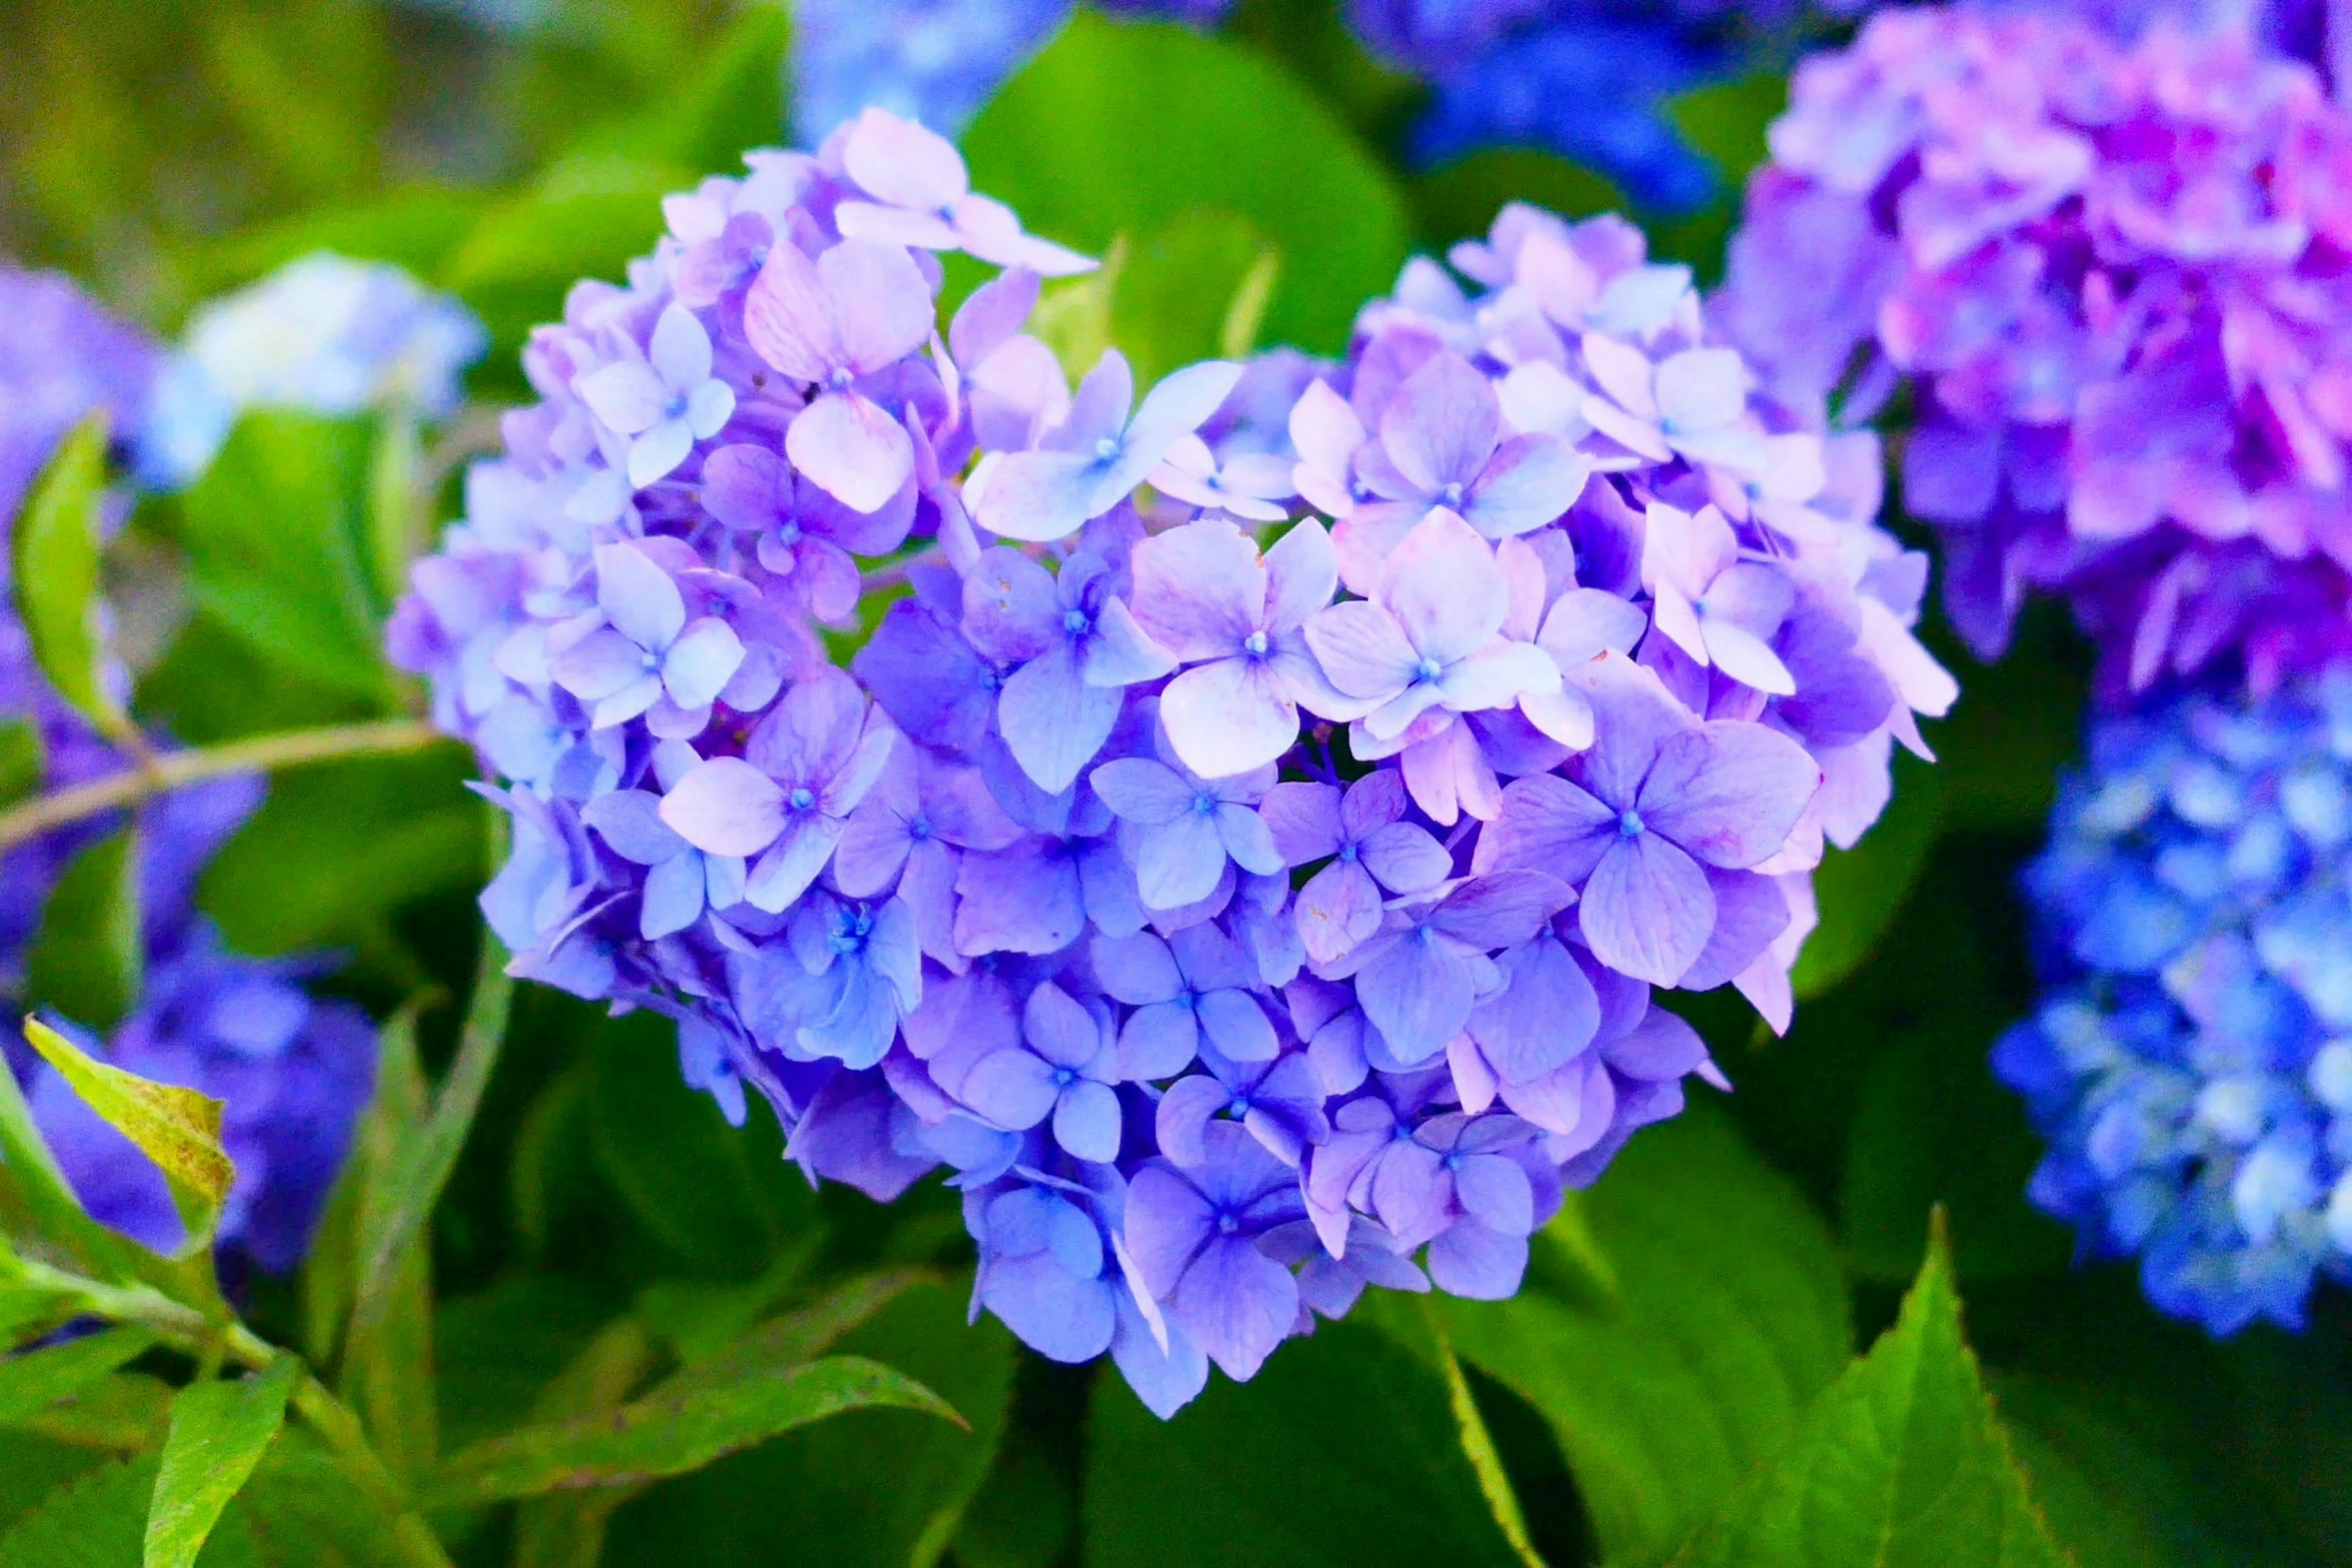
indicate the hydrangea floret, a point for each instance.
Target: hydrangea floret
{"x":2113,"y":276}
{"x":2191,"y":1062}
{"x":1244,"y":850}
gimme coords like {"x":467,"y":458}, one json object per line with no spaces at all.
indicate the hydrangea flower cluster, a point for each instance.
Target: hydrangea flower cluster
{"x":2115,"y":277}
{"x":294,"y":1070}
{"x":932,"y":60}
{"x":2192,"y":1064}
{"x":1243,"y":909}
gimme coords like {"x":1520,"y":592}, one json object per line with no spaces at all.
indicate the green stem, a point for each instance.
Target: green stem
{"x":169,"y":771}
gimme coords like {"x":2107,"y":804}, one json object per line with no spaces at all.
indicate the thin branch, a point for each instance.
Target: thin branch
{"x":168,"y":771}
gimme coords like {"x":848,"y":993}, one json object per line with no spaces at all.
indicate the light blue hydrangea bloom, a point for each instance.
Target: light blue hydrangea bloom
{"x":2191,"y":1063}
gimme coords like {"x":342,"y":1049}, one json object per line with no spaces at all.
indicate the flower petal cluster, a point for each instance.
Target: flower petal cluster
{"x":2115,"y":277}
{"x":324,"y":334}
{"x":935,"y":61}
{"x":2191,"y":1062}
{"x":1243,"y":851}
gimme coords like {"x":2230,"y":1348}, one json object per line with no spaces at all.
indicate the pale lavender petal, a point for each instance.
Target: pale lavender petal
{"x":898,"y":161}
{"x":1496,"y":676}
{"x":881,"y":305}
{"x":1363,"y":649}
{"x":1305,"y":820}
{"x":1058,"y":1029}
{"x":598,"y":665}
{"x":701,"y":662}
{"x":992,"y":314}
{"x":788,"y":317}
{"x":1137,"y":970}
{"x":792,"y":864}
{"x":725,"y":806}
{"x":1750,"y":913}
{"x":638,"y":596}
{"x":1647,"y":909}
{"x":1200,"y":590}
{"x":1248,"y":840}
{"x":1172,"y":410}
{"x":1302,"y":573}
{"x":680,"y":349}
{"x":1405,"y":858}
{"x":1237,"y":1304}
{"x":1180,"y":861}
{"x":1183,"y":1115}
{"x":1444,"y":587}
{"x":627,"y":397}
{"x":659,"y":450}
{"x":1229,"y":717}
{"x":1037,"y":497}
{"x":1237,"y":1027}
{"x":746,"y":487}
{"x":1531,"y":480}
{"x":1478,"y":1264}
{"x":1121,"y":653}
{"x":1441,"y":426}
{"x":852,"y":448}
{"x":1549,"y":825}
{"x":1012,"y":610}
{"x":1502,"y":909}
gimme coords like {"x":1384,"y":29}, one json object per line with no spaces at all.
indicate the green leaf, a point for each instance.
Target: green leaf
{"x":736,"y":101}
{"x":668,"y":1434}
{"x":305,"y":1512}
{"x":23,"y":761}
{"x":498,"y":1349}
{"x":1862,"y":890}
{"x":414,"y":227}
{"x":1062,"y":142}
{"x":32,"y":1383}
{"x":219,"y":1430}
{"x":37,"y":1196}
{"x":387,"y":1375}
{"x":1899,"y":1462}
{"x":399,"y":529}
{"x":87,"y":959}
{"x":32,"y":1466}
{"x":585,"y":219}
{"x":275,"y":539}
{"x":566,"y":1530}
{"x":1344,"y":1450}
{"x":124,"y":1413}
{"x":177,"y":1128}
{"x":1173,"y":298}
{"x":1459,"y":200}
{"x":1677,"y":1321}
{"x":874,"y":1488}
{"x":98,"y":1520}
{"x":57,"y":545}
{"x":1023,"y":1514}
{"x":715,"y":1195}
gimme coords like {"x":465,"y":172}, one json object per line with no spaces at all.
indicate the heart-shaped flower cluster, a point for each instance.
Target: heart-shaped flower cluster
{"x":2118,"y":278}
{"x":1243,"y":906}
{"x":2192,"y":1064}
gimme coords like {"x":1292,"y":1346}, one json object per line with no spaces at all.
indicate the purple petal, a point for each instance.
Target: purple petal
{"x":746,"y":487}
{"x":630,"y":821}
{"x":1061,"y":1031}
{"x":625,"y":397}
{"x":1142,"y":791}
{"x":1304,"y":820}
{"x":1405,"y":858}
{"x":1501,"y":909}
{"x":1053,"y":721}
{"x":1158,"y":1041}
{"x":1087,"y":1121}
{"x":1302,"y":573}
{"x":1020,"y":899}
{"x":599,"y":665}
{"x":1167,"y":1221}
{"x":1180,"y":861}
{"x":1237,"y":1027}
{"x":1478,"y":1264}
{"x":1647,"y":909}
{"x":793,"y":862}
{"x":1530,"y":480}
{"x":1247,"y":841}
{"x":1363,"y":649}
{"x":701,"y":662}
{"x":1119,"y":652}
{"x":1011,"y":1089}
{"x":1729,"y":793}
{"x":1011,"y":611}
{"x":1546,"y":1013}
{"x":1338,"y":911}
{"x":991,"y":315}
{"x":1179,"y":406}
{"x":1183,"y":1115}
{"x":1418,"y":994}
{"x":1237,"y":1303}
{"x":898,"y":161}
{"x":1137,"y":970}
{"x":1059,"y":1316}
{"x":1750,"y":913}
{"x":637,"y":597}
{"x":725,"y":806}
{"x":1038,"y":497}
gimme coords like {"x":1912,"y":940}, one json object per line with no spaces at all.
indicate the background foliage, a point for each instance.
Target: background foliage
{"x":1746,"y":1345}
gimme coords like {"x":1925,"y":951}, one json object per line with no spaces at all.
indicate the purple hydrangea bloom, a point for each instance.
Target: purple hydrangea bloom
{"x":2111,"y":274}
{"x":1168,"y":832}
{"x":2188,"y":1061}
{"x":293,"y":1071}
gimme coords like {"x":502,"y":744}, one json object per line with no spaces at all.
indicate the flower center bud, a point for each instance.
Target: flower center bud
{"x":1065,"y":1076}
{"x":1452,"y":494}
{"x":1106,"y":449}
{"x":1630,"y":823}
{"x":1348,"y":852}
{"x":1427,"y":669}
{"x":1078,"y":623}
{"x":1227,"y":1224}
{"x":1255,"y":643}
{"x":802,"y":798}
{"x":1204,"y":805}
{"x":840,"y":379}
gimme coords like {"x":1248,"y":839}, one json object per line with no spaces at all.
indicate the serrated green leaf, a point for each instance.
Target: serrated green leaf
{"x":1862,"y":890}
{"x":32,"y":1466}
{"x":87,"y":961}
{"x":31,"y":1382}
{"x":1062,"y":143}
{"x":871,"y":1488}
{"x":1344,"y":1450}
{"x":124,"y":1413}
{"x":39,"y":1198}
{"x":57,"y":545}
{"x":219,"y":1430}
{"x":1899,"y":1462}
{"x":305,"y":1512}
{"x":662,"y":1435}
{"x":22,"y":761}
{"x":1685,"y":1358}
{"x":566,"y":1530}
{"x":177,"y":1128}
{"x":276,"y":540}
{"x":98,"y":1520}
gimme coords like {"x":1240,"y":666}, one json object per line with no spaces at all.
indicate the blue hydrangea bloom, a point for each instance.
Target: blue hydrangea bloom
{"x":932,"y":60}
{"x":2191,"y":1062}
{"x":1592,"y":88}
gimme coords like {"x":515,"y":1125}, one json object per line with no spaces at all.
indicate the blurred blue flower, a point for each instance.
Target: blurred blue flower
{"x":2191,"y":1062}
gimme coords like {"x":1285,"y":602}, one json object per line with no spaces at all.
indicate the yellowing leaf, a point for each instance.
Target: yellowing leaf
{"x":179,"y":1129}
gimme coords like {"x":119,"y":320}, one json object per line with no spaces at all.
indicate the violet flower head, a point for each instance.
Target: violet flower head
{"x":1178,"y":890}
{"x":2100,"y":266}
